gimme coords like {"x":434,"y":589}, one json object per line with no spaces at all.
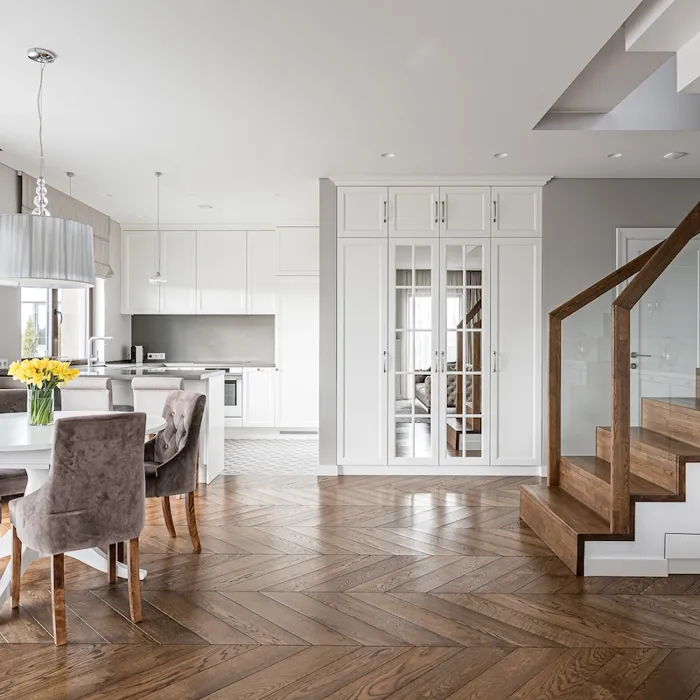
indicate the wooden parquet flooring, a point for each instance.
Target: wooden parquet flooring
{"x":355,"y":588}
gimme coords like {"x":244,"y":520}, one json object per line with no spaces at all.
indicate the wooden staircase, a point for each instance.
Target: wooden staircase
{"x":593,"y":497}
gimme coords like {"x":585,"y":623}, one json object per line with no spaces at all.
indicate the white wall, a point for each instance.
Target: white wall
{"x":10,"y":335}
{"x":116,"y":324}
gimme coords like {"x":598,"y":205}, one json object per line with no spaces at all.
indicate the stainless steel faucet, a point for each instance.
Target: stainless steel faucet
{"x":91,"y":360}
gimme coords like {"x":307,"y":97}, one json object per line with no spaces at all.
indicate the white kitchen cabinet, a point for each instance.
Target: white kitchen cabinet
{"x":139,"y":262}
{"x":516,"y":211}
{"x":465,"y":211}
{"x":297,"y":353}
{"x":259,"y":385}
{"x":362,"y":333}
{"x":221,"y":272}
{"x":516,"y":344}
{"x":362,"y":212}
{"x":261,"y":272}
{"x":298,"y":250}
{"x":414,"y":211}
{"x":178,"y":265}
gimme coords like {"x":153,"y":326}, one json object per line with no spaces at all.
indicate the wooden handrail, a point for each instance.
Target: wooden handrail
{"x":664,"y":254}
{"x":555,"y":320}
{"x":470,"y":315}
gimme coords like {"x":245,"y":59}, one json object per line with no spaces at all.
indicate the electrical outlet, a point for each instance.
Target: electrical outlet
{"x":3,"y":363}
{"x":155,"y":355}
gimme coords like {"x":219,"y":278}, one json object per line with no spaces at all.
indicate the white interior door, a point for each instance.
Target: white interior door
{"x":362,"y":334}
{"x":516,"y":352}
{"x":664,"y":324}
{"x":413,"y":350}
{"x":464,"y":351}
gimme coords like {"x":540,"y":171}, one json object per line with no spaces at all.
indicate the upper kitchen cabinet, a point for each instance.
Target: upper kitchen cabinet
{"x":221,"y":272}
{"x":298,"y":250}
{"x":516,"y":212}
{"x":178,"y":265}
{"x":414,"y":212}
{"x":262,"y":272}
{"x":363,"y":212}
{"x":465,"y":211}
{"x":139,"y":262}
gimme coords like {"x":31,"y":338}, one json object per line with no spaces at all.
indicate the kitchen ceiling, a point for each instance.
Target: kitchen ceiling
{"x":244,"y":104}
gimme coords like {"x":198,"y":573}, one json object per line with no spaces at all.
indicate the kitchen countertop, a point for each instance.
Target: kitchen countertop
{"x":185,"y":363}
{"x":127,"y":372}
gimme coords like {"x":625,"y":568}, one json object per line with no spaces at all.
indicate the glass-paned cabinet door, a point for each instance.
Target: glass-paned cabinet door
{"x":464,"y":351}
{"x":413,"y":350}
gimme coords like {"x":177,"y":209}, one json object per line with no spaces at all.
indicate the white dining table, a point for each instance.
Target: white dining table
{"x":29,"y":447}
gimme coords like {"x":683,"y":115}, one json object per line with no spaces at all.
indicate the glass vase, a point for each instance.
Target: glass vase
{"x":40,"y":406}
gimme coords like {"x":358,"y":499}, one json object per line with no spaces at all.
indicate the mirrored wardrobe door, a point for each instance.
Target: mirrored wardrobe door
{"x":413,"y":348}
{"x":464,"y":351}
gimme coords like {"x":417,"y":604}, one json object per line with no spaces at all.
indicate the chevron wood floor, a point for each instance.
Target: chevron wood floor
{"x":356,"y":587}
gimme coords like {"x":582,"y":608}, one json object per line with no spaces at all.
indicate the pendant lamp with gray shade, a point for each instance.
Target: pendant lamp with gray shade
{"x":38,"y":250}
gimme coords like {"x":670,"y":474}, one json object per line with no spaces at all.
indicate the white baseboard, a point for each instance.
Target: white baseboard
{"x":626,"y":566}
{"x":266,"y":434}
{"x":437,"y":470}
{"x":327,"y":470}
{"x":684,"y":566}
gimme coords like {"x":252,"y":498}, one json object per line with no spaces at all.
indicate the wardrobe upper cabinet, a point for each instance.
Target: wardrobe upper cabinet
{"x":465,"y":211}
{"x":362,"y":212}
{"x":262,"y":272}
{"x":516,"y":211}
{"x":221,"y":272}
{"x":139,"y":262}
{"x":414,"y":212}
{"x":178,"y":265}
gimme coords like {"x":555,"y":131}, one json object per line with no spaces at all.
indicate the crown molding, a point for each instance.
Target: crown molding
{"x":446,"y":181}
{"x":142,"y":226}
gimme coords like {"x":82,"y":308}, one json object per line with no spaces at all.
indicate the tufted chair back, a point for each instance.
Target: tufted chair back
{"x":172,"y":455}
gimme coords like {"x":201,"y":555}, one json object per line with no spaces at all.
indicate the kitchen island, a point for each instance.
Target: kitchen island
{"x":209,"y":382}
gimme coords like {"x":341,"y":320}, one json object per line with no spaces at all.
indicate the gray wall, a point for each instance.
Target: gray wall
{"x":327,"y":351}
{"x":10,"y":335}
{"x":207,"y":338}
{"x":579,"y":222}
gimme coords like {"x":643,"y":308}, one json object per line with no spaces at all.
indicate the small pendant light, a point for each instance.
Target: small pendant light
{"x":157,"y":279}
{"x":38,"y":250}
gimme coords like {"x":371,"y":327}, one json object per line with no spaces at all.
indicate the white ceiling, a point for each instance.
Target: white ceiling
{"x":244,"y":104}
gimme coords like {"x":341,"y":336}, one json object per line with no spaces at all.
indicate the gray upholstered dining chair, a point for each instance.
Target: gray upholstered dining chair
{"x":94,"y":497}
{"x":171,"y":458}
{"x":87,"y":394}
{"x":13,"y":399}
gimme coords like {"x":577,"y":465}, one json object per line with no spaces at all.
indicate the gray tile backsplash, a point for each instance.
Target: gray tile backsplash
{"x":206,"y":338}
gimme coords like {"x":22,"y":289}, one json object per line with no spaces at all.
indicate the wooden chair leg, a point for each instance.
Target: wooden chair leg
{"x":112,"y":573}
{"x":58,"y":600}
{"x":192,"y":522}
{"x":168,"y":516}
{"x":134,"y":582}
{"x":16,"y":568}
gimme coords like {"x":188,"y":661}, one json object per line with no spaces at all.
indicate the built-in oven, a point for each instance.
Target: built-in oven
{"x":233,"y":395}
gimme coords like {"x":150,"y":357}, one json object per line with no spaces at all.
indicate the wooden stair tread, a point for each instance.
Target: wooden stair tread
{"x":663,"y":443}
{"x":574,"y":515}
{"x":600,"y":469}
{"x":689,"y":402}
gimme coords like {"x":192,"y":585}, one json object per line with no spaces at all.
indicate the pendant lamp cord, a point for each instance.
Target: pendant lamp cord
{"x":158,"y":220}
{"x":40,"y":112}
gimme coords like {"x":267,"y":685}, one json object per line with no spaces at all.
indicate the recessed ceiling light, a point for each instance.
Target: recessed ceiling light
{"x":205,"y":206}
{"x":614,"y":155}
{"x":388,"y":155}
{"x":500,"y":155}
{"x":675,"y":155}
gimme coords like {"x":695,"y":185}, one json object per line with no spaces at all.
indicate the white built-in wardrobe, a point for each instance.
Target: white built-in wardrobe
{"x":439,"y":328}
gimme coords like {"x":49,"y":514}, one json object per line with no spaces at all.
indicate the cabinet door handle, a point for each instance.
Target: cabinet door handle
{"x":495,"y":211}
{"x":444,"y":364}
{"x":444,"y":209}
{"x":495,"y":360}
{"x":436,"y":211}
{"x":385,"y":210}
{"x":385,"y":361}
{"x":436,"y":366}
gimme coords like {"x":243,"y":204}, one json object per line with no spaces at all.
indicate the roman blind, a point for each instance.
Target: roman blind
{"x":65,"y":207}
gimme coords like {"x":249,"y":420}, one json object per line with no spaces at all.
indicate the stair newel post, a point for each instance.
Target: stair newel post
{"x":620,"y":465}
{"x":554,"y":403}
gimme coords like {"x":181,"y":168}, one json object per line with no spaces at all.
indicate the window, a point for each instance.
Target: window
{"x":56,"y":322}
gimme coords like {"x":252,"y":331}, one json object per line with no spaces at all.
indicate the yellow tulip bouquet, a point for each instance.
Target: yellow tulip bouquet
{"x":41,"y":376}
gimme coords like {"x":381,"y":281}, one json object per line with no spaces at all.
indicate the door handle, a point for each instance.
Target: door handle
{"x":385,"y":360}
{"x":436,"y":211}
{"x":495,"y":360}
{"x":443,"y":204}
{"x":636,"y":354}
{"x":494,"y":211}
{"x":436,"y":368}
{"x":385,"y":210}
